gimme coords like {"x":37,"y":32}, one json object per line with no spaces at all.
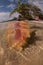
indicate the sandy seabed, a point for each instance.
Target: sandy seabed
{"x":33,"y":55}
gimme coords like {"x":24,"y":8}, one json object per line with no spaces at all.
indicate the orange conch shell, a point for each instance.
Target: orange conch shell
{"x":17,"y":34}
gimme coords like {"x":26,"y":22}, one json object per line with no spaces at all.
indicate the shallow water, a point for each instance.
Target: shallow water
{"x":33,"y":55}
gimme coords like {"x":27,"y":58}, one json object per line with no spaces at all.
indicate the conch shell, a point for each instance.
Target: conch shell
{"x":17,"y":34}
